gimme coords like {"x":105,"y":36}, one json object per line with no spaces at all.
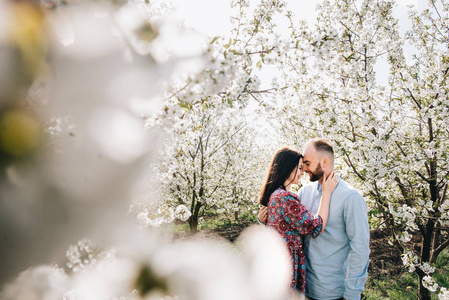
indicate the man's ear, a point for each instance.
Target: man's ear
{"x":325,"y":163}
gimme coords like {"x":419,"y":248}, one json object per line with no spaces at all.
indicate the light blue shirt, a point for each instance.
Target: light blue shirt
{"x":337,"y":260}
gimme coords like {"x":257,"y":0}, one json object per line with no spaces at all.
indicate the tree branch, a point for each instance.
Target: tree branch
{"x":387,"y":217}
{"x":428,"y":170}
{"x":358,"y":13}
{"x":442,"y":179}
{"x":422,"y":176}
{"x":438,"y":250}
{"x":400,"y":148}
{"x":403,"y":191}
{"x":221,"y":179}
{"x":413,"y":98}
{"x":227,"y":140}
{"x":429,"y":122}
{"x":348,"y":29}
{"x":349,"y":163}
{"x":443,"y":195}
{"x":261,"y":51}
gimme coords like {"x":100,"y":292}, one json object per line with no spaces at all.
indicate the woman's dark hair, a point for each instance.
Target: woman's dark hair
{"x":282,"y":165}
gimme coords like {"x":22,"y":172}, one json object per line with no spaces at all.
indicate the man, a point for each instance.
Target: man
{"x":337,"y":260}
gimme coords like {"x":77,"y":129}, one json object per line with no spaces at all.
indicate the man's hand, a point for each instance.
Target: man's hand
{"x":263,"y":214}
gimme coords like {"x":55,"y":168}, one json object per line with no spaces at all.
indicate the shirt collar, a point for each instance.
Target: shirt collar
{"x":319,"y":188}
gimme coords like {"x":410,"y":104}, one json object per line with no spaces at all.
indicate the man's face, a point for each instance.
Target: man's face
{"x":312,"y":164}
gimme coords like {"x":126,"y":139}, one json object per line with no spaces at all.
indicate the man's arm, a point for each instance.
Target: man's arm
{"x":262,"y":216}
{"x":357,"y":229}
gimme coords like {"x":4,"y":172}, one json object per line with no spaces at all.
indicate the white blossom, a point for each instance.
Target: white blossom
{"x":182,"y":213}
{"x":429,"y":283}
{"x":410,"y":260}
{"x":426,"y":268}
{"x":443,"y":294}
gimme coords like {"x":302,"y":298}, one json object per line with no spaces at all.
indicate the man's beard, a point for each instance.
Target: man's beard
{"x":317,"y":174}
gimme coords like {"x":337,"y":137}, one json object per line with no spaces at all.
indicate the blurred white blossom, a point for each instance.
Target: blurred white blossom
{"x":37,"y":283}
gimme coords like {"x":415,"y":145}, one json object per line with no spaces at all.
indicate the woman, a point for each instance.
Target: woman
{"x":287,"y":215}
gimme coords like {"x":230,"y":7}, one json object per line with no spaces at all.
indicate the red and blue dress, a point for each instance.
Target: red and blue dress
{"x":291,"y":219}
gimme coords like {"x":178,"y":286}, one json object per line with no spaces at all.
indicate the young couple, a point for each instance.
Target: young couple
{"x":325,"y":225}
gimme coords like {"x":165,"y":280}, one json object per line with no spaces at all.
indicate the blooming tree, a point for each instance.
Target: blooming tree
{"x":393,"y":138}
{"x":211,"y":164}
{"x":213,"y":161}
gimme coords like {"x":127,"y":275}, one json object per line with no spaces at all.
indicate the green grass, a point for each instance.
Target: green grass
{"x":213,"y":221}
{"x":226,"y":220}
{"x":176,"y":228}
{"x":405,"y":285}
{"x":441,"y":274}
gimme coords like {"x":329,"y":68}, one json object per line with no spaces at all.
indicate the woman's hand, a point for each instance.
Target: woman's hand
{"x":329,"y":183}
{"x":263,"y":214}
{"x":328,"y":186}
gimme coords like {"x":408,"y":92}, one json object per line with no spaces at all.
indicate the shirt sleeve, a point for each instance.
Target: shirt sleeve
{"x":297,"y":215}
{"x":357,"y":229}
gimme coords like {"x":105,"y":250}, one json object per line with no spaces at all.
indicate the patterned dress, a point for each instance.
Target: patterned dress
{"x":291,"y":219}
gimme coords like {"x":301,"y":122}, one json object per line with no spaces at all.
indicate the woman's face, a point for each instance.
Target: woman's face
{"x":294,"y":178}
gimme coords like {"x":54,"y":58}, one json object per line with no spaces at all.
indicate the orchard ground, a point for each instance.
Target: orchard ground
{"x":388,"y":279}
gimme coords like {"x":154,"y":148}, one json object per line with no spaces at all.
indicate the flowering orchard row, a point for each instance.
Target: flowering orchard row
{"x":105,"y":115}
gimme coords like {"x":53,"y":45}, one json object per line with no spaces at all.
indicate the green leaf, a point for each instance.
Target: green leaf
{"x":185,"y":106}
{"x":213,"y":40}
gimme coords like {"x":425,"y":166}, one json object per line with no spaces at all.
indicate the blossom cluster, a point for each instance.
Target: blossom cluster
{"x":406,"y":214}
{"x":153,"y":267}
{"x":163,"y":214}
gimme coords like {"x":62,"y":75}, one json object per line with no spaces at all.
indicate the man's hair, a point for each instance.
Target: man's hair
{"x":322,"y":145}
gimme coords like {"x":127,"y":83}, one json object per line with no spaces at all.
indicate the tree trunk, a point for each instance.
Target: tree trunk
{"x":428,"y":231}
{"x":193,"y":220}
{"x":423,"y":293}
{"x":193,"y":223}
{"x":236,"y":216}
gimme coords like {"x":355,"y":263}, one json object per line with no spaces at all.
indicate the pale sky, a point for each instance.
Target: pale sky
{"x":213,"y":18}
